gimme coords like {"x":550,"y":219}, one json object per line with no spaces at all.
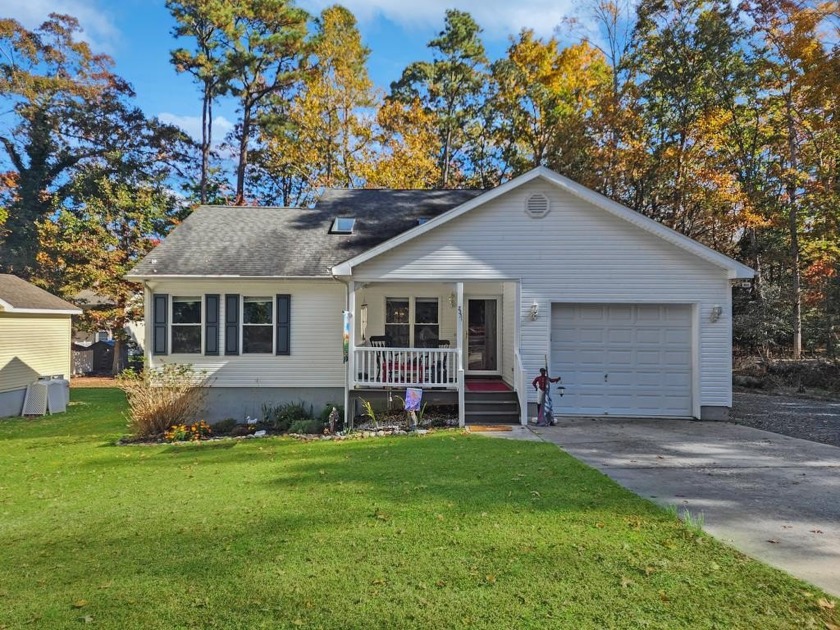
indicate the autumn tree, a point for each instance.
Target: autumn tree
{"x":321,"y":136}
{"x":110,"y":221}
{"x":68,"y":108}
{"x":406,"y":156}
{"x":547,"y":95}
{"x":687,"y":54}
{"x":800,"y":95}
{"x":448,"y":87}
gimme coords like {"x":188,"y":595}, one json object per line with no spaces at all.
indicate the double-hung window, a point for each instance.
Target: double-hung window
{"x":426,"y":324}
{"x":257,"y":325}
{"x":398,"y":321}
{"x":186,"y":325}
{"x":412,"y":322}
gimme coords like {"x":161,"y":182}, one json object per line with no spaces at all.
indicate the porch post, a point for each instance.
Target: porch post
{"x":351,"y":352}
{"x":517,"y":347}
{"x":459,"y":291}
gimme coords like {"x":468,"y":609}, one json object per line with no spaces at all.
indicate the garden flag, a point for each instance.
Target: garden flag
{"x":346,"y":335}
{"x":413,"y":396}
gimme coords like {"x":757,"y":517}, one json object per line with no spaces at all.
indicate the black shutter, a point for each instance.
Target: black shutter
{"x":284,"y":324}
{"x":211,"y":325}
{"x":160,"y":319}
{"x":231,"y":324}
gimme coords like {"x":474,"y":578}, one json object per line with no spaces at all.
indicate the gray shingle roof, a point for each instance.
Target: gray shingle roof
{"x":20,"y":294}
{"x":291,"y":242}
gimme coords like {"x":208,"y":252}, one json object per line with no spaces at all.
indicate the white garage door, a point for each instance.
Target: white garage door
{"x":622,"y":359}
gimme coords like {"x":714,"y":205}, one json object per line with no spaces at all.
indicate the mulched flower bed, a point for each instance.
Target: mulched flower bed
{"x":360,"y":431}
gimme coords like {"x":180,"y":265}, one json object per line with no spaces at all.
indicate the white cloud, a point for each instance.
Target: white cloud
{"x":100,"y":31}
{"x":192,"y":125}
{"x":498,"y":18}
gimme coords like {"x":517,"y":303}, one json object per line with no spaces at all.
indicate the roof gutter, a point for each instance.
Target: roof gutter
{"x":142,"y":278}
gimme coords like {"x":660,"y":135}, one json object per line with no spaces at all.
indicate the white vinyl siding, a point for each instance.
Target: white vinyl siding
{"x":33,"y":345}
{"x":578,"y":253}
{"x":316,"y":357}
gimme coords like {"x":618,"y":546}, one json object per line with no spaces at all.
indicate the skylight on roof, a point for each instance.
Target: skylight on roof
{"x":422,"y":220}
{"x":343,"y":225}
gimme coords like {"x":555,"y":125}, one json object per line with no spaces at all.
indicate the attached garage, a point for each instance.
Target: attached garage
{"x":630,"y":360}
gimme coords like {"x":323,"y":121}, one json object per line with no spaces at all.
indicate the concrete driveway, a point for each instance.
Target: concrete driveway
{"x":773,"y":497}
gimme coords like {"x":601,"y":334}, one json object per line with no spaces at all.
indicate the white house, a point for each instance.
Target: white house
{"x":463,"y":293}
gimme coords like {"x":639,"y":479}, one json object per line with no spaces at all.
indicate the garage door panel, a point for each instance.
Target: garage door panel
{"x":645,"y":351}
{"x":676,"y":379}
{"x":591,"y":335}
{"x":648,"y":357}
{"x":679,"y":336}
{"x":645,"y":314}
{"x":620,"y":313}
{"x":647,"y":336}
{"x":619,"y":357}
{"x":620,"y":336}
{"x":677,"y":358}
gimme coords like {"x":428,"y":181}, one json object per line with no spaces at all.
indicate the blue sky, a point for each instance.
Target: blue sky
{"x":137,"y":34}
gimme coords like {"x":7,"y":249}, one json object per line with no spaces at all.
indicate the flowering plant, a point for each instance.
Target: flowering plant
{"x":187,"y":432}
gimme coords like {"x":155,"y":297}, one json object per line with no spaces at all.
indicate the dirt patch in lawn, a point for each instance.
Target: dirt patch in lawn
{"x":93,"y":381}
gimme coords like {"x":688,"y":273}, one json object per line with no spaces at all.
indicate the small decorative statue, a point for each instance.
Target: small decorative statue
{"x":333,"y":420}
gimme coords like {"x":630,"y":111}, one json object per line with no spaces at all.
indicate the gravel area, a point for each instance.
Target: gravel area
{"x":815,"y":420}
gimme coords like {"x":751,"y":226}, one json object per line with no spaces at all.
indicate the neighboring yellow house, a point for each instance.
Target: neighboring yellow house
{"x":35,"y":332}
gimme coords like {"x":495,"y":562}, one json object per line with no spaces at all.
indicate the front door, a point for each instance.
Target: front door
{"x":483,"y":335}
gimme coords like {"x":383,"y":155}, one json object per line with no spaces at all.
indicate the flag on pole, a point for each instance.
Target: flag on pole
{"x":346,"y":336}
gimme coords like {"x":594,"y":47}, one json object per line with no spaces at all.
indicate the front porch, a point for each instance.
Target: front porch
{"x":433,"y":336}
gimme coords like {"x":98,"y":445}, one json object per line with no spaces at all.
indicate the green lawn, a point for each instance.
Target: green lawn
{"x":440,"y":531}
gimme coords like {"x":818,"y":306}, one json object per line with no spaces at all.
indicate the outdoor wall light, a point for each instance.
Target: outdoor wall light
{"x":535,"y":311}
{"x":715,"y":313}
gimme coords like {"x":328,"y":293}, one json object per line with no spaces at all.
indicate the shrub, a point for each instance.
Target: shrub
{"x":243,"y":429}
{"x":224,"y":427}
{"x":280,"y":417}
{"x":307,"y":426}
{"x":162,"y":398}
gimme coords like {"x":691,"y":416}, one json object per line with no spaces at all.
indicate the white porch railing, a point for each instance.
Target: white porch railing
{"x":519,"y":384}
{"x":406,"y":367}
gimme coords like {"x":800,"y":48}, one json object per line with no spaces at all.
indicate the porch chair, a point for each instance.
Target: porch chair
{"x":379,"y":341}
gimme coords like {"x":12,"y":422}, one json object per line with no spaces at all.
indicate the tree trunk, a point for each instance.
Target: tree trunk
{"x":206,"y":138}
{"x":243,"y":154}
{"x":793,"y":227}
{"x":116,"y":364}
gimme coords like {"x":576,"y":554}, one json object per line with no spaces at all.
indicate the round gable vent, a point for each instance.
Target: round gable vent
{"x":537,"y":206}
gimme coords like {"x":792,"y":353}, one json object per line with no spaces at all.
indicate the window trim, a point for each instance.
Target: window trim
{"x":174,"y":298}
{"x":273,"y":324}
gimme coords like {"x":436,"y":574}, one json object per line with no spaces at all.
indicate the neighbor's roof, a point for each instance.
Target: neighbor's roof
{"x":19,"y":296}
{"x":248,"y":241}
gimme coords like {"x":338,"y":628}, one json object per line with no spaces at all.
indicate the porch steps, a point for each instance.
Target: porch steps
{"x":491,"y":408}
